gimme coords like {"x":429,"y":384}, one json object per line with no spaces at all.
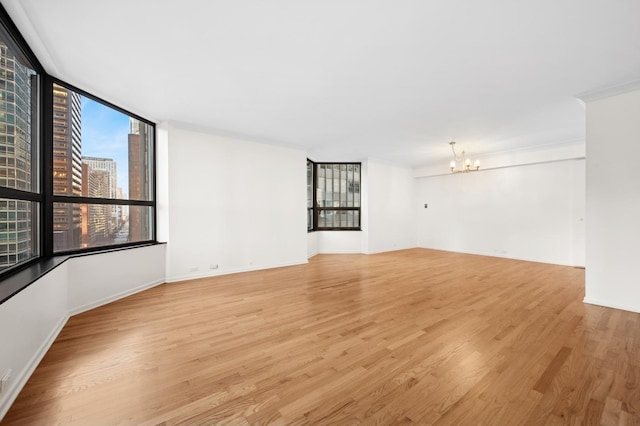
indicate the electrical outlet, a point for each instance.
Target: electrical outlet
{"x":193,"y":269}
{"x":213,"y":266}
{"x":4,"y":381}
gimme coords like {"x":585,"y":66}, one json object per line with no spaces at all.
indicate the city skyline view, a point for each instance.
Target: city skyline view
{"x":98,"y":153}
{"x":104,"y":135}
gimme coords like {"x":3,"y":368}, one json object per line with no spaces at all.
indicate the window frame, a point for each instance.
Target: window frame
{"x":43,"y":146}
{"x":75,"y":199}
{"x":317,"y":209}
{"x":21,"y":49}
{"x":311,"y":211}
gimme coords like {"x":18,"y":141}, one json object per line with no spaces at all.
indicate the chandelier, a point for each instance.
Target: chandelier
{"x":462,"y":161}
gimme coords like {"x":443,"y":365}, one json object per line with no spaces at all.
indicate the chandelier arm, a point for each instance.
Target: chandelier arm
{"x":465,"y":162}
{"x":453,"y":149}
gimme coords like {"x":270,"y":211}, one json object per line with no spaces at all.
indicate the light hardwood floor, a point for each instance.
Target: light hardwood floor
{"x":413,"y":336}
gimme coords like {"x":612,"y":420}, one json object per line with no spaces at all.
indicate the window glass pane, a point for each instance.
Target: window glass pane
{"x":322,"y":222}
{"x":18,"y":231}
{"x":18,"y":89}
{"x":98,"y":151}
{"x":343,"y":185}
{"x":78,"y":226}
{"x":19,"y":219}
{"x":340,"y":188}
{"x":309,"y":184}
{"x":356,"y":186}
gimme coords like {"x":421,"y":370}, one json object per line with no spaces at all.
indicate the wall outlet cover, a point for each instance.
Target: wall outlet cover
{"x":4,"y":380}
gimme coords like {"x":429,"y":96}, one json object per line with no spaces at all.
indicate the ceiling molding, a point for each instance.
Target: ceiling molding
{"x":190,"y":127}
{"x":561,"y":143}
{"x":21,"y":19}
{"x":312,"y":77}
{"x":607,"y":92}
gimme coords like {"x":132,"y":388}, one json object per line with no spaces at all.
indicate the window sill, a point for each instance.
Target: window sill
{"x":18,"y":281}
{"x":333,"y":229}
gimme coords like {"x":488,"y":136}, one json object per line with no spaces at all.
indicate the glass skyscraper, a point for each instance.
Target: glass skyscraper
{"x":67,"y":167}
{"x":16,"y":217}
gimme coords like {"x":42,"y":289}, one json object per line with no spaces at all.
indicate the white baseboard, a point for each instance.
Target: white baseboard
{"x":608,"y":304}
{"x":219,"y":272}
{"x":21,"y":377}
{"x":113,"y":297}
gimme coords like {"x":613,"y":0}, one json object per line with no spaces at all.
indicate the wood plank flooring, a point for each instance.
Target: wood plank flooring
{"x":408,"y":337}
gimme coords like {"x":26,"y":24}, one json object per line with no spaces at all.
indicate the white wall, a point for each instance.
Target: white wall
{"x":162,"y":181}
{"x":313,"y":245}
{"x":234,"y":203}
{"x":533,"y":212}
{"x":347,"y":242}
{"x":613,"y":201}
{"x":95,"y":280}
{"x":390,"y":209}
{"x":387,"y":214}
{"x":340,"y":242}
{"x":32,"y":319}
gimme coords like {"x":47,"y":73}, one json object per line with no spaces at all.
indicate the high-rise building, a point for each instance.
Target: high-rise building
{"x":109,"y":166}
{"x":95,"y":217}
{"x":140,"y":139}
{"x":107,"y":189}
{"x":67,"y":167}
{"x":98,"y":215}
{"x":16,"y":228}
{"x":84,"y":208}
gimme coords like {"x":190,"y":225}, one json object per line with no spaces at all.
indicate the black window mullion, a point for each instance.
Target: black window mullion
{"x":315,"y":196}
{"x":110,"y":201}
{"x":339,"y":203}
{"x":46,"y":178}
{"x":17,"y":194}
{"x":154,"y":157}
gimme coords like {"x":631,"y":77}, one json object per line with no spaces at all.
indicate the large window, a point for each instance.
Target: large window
{"x":20,"y":197}
{"x":310,"y":197}
{"x":333,"y":196}
{"x":102,"y":173}
{"x":76,"y":173}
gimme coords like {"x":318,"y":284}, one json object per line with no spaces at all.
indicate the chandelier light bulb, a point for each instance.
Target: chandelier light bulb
{"x":465,"y":162}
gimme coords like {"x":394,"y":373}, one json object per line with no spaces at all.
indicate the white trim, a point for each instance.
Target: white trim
{"x":211,"y":131}
{"x":533,"y":163}
{"x":607,"y":92}
{"x":40,"y":48}
{"x":391,"y":250}
{"x":113,"y":298}
{"x":607,"y":304}
{"x":15,"y":386}
{"x":213,"y":273}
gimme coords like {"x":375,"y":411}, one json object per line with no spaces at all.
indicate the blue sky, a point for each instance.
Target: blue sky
{"x":104,"y":134}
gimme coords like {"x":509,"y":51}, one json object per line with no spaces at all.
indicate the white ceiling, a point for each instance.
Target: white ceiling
{"x":347,"y":80}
